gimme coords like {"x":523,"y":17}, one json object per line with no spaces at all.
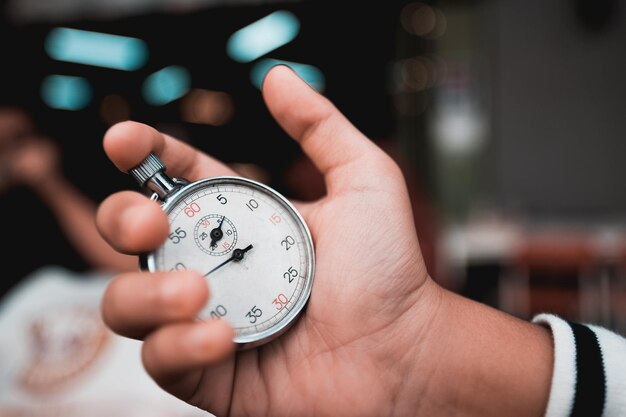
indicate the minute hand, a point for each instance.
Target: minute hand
{"x":237,"y":255}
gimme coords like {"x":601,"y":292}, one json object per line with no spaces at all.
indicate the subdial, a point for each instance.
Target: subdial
{"x":215,"y":234}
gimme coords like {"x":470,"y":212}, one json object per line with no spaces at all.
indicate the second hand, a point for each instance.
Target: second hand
{"x":237,"y":255}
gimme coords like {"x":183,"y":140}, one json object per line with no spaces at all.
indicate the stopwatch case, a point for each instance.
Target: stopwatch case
{"x":147,"y":261}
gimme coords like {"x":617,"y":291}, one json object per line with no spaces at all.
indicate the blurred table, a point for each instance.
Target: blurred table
{"x":573,"y":270}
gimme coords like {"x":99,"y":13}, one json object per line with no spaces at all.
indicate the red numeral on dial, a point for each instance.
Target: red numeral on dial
{"x":280,"y":301}
{"x":192,"y":209}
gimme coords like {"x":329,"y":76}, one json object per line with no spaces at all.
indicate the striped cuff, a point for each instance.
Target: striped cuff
{"x":589,"y":377}
{"x":579,"y":380}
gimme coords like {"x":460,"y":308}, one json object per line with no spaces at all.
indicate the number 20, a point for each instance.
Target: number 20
{"x":288,"y":242}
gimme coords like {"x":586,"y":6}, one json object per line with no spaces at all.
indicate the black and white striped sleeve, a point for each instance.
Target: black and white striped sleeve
{"x":589,"y":377}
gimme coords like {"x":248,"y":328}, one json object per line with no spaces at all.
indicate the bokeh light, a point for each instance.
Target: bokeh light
{"x":263,"y":36}
{"x":214,"y":108}
{"x":416,"y":74}
{"x":98,"y":49}
{"x":114,"y":108}
{"x":65,"y":92}
{"x":166,"y":85}
{"x":423,"y":20}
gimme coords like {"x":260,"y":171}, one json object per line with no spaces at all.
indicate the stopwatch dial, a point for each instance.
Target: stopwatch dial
{"x":260,"y":275}
{"x":215,"y":234}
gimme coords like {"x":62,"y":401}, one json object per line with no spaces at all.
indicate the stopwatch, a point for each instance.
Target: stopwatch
{"x":247,"y":240}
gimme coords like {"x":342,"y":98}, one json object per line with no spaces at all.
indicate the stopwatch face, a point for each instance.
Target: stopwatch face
{"x":252,"y":247}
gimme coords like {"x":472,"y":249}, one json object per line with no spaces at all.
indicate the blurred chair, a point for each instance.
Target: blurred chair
{"x":554,"y":272}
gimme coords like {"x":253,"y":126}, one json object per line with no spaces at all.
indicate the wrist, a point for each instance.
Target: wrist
{"x":474,"y":360}
{"x":414,"y":353}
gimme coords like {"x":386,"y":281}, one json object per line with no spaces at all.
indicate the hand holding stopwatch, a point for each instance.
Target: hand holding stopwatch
{"x":261,"y":296}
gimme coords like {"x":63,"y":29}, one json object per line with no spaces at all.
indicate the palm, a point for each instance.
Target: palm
{"x":363,"y":284}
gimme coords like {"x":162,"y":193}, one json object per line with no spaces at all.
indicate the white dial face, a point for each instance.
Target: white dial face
{"x":252,"y":247}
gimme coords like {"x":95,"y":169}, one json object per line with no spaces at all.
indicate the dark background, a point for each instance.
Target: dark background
{"x":353,"y":46}
{"x":507,"y":117}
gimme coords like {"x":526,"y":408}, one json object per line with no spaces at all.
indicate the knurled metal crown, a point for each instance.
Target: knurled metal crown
{"x":147,"y":169}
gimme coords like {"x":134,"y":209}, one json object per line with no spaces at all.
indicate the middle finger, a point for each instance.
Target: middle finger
{"x":136,"y":303}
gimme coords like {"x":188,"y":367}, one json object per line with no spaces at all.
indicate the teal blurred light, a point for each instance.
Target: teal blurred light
{"x":310,"y":74}
{"x":263,"y":36}
{"x":97,"y":49}
{"x":65,"y":92}
{"x":166,"y":85}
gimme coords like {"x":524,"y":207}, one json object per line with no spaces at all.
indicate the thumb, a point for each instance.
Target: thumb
{"x":335,"y":146}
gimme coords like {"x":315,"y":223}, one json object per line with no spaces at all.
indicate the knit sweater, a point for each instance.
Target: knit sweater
{"x":589,"y":377}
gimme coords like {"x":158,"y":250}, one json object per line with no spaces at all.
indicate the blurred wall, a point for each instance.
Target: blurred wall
{"x":350,"y":44}
{"x":558,"y":110}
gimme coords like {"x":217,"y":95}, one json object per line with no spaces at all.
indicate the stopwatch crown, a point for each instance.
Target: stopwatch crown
{"x":147,"y":168}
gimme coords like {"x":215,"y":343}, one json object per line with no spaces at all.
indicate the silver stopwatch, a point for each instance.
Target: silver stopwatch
{"x":247,"y":240}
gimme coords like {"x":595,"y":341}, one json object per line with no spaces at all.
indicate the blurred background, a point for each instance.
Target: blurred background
{"x":507,"y":118}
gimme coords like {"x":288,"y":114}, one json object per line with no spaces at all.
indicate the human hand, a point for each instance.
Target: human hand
{"x":337,"y":359}
{"x":375,"y":338}
{"x":35,"y":161}
{"x":16,"y":126}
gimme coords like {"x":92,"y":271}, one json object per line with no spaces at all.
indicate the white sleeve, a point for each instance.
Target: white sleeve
{"x":589,"y":377}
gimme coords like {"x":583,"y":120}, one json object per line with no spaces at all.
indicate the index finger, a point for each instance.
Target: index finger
{"x":128,"y":143}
